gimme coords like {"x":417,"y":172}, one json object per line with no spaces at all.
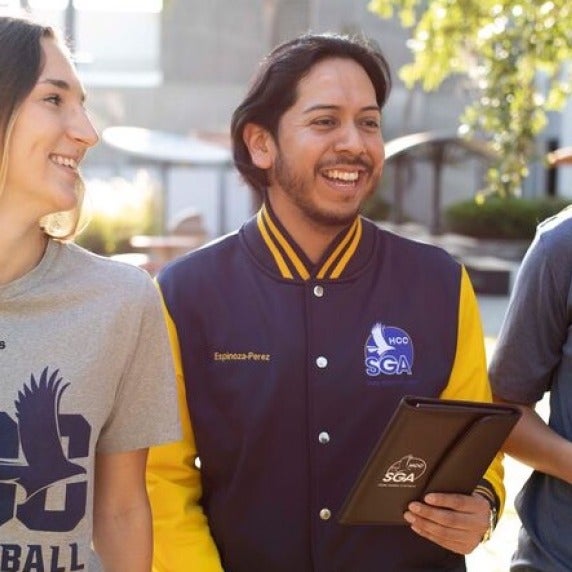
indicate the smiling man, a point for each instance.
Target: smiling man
{"x":350,"y":319}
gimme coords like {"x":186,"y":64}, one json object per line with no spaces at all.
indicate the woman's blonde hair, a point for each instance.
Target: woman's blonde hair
{"x":21,"y":62}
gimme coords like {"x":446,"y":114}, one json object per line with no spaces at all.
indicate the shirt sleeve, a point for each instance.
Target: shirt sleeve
{"x":469,"y":381}
{"x":145,"y":403}
{"x":182,"y":539}
{"x":529,"y":346}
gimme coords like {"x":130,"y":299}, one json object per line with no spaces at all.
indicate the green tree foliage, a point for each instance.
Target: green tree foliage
{"x":517,"y":54}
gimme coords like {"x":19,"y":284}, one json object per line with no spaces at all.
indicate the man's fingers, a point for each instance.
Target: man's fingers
{"x":474,"y":503}
{"x":455,"y":522}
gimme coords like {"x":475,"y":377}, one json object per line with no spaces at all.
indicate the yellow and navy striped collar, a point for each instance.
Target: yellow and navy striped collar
{"x":293,"y":264}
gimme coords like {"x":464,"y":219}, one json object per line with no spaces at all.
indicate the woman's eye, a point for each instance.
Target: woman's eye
{"x":55,"y":99}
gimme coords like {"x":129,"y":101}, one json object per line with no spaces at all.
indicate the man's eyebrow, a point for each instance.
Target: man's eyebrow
{"x":326,"y":107}
{"x":62,"y":84}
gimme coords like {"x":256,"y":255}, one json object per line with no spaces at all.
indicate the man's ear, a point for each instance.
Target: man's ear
{"x":260,"y":144}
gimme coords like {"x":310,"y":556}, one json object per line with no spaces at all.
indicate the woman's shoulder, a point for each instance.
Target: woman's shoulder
{"x":108,"y":272}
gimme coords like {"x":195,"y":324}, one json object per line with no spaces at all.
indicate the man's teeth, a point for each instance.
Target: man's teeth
{"x":65,"y":161}
{"x":342,"y":175}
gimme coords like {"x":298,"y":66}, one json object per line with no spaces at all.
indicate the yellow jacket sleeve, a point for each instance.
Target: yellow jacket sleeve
{"x":182,"y":539}
{"x":469,"y":379}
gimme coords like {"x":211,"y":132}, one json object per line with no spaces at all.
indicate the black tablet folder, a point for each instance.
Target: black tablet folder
{"x":429,"y":445}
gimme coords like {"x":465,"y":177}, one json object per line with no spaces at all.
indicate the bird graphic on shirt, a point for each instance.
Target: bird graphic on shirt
{"x":37,"y":411}
{"x":382,"y":346}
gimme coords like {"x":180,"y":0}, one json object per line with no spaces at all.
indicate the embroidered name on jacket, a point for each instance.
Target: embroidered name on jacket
{"x":240,"y":356}
{"x":388,"y":351}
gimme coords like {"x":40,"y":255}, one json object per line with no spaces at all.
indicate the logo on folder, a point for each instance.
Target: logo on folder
{"x":403,"y":472}
{"x":388,"y":351}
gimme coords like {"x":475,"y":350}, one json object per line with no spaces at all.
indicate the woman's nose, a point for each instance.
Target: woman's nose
{"x":82,"y":129}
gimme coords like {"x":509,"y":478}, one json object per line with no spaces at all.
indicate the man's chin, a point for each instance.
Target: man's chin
{"x":334,"y":219}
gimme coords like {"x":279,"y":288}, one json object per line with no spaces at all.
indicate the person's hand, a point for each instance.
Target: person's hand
{"x":456,"y":522}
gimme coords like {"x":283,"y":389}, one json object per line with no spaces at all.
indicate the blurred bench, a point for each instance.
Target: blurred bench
{"x":186,"y":233}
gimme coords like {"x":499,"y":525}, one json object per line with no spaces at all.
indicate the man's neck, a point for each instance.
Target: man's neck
{"x":313,"y":238}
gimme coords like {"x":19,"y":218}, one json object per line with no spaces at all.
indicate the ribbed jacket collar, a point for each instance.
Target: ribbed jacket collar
{"x":275,"y":248}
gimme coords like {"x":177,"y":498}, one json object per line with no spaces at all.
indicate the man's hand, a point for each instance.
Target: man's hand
{"x":456,"y":522}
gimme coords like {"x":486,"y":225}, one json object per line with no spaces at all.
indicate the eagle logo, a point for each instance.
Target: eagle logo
{"x":38,"y":414}
{"x":404,"y":472}
{"x":381,"y":346}
{"x":388,"y":351}
{"x":409,"y":464}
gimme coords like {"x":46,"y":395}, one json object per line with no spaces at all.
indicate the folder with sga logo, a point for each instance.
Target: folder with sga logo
{"x":429,"y":445}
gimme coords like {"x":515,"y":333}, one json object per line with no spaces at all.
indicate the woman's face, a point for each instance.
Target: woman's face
{"x":51,"y":135}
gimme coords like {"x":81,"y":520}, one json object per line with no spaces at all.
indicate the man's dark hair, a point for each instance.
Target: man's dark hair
{"x":274,"y":88}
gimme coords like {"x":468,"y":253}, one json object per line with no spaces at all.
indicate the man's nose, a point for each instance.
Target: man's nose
{"x":350,"y":140}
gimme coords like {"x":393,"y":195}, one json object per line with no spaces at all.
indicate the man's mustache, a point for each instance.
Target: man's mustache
{"x":346,"y":161}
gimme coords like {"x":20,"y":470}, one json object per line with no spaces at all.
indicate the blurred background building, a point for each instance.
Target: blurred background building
{"x":181,"y":66}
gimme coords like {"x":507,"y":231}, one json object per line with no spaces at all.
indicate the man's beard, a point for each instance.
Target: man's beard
{"x":300,"y":194}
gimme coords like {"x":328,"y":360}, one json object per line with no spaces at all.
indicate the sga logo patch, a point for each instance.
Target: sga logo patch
{"x":388,"y":351}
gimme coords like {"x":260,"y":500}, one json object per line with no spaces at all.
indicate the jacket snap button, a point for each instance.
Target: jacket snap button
{"x":325,"y":514}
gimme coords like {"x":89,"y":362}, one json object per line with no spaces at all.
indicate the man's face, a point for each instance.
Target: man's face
{"x":329,"y":151}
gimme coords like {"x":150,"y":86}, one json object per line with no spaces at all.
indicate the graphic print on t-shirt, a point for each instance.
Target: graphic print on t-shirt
{"x":38,"y":451}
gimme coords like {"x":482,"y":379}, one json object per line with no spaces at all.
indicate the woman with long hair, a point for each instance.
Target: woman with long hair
{"x":86,"y":379}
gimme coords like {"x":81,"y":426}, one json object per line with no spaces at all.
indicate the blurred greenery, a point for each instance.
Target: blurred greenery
{"x":115,"y":210}
{"x":501,"y":218}
{"x":515,"y":54}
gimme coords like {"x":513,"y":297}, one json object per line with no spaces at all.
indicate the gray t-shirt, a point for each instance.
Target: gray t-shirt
{"x":85,"y":367}
{"x":534,"y":355}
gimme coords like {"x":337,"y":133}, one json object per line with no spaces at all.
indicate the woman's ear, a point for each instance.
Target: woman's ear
{"x":260,"y":144}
